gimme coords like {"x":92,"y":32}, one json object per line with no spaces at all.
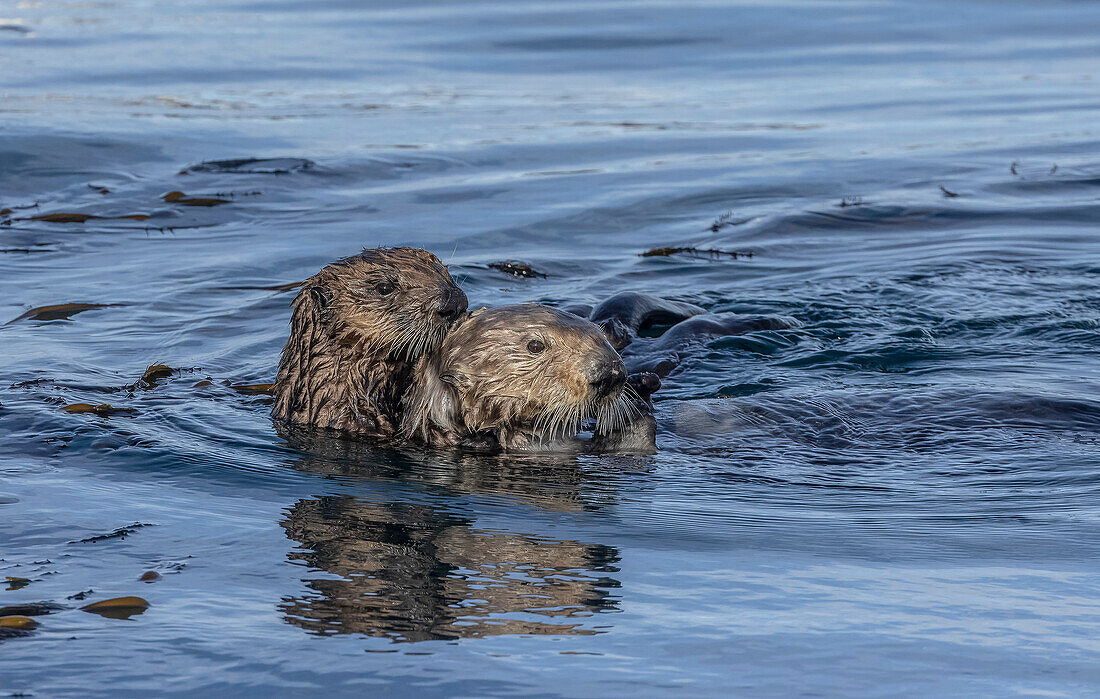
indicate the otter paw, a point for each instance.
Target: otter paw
{"x":637,"y":437}
{"x":644,"y":384}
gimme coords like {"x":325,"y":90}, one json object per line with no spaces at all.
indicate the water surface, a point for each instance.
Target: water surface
{"x":899,"y":496}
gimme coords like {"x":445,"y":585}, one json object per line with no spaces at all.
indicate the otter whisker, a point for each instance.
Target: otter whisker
{"x":556,"y":424}
{"x":616,"y":414}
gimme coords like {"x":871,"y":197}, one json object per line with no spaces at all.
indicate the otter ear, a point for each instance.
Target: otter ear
{"x":321,"y":295}
{"x":431,"y":407}
{"x":311,"y":305}
{"x":456,"y":379}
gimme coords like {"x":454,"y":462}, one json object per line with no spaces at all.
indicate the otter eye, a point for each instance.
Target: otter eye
{"x":535,"y":346}
{"x":384,"y":288}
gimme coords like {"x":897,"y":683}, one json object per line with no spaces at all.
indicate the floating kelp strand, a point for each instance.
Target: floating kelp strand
{"x":102,"y":410}
{"x":254,"y":388}
{"x":120,"y":533}
{"x":516,"y":268}
{"x":152,"y":374}
{"x":118,"y":607}
{"x":255,"y":166}
{"x":711,"y":252}
{"x":61,"y":218}
{"x":177,"y":197}
{"x":60,"y":311}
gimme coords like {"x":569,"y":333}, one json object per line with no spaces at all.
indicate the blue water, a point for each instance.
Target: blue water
{"x":900,"y":496}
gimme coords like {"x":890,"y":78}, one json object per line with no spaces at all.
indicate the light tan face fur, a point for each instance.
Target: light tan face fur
{"x":525,"y":369}
{"x":400,"y":301}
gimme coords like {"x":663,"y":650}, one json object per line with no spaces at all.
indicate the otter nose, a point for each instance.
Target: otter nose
{"x":452,"y":304}
{"x":606,"y":378}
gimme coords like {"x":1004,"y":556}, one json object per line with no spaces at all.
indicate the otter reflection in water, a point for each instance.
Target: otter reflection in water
{"x":412,"y":569}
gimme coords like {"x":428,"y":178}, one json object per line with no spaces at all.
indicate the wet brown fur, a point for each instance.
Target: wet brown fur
{"x":484,"y":388}
{"x":352,"y":348}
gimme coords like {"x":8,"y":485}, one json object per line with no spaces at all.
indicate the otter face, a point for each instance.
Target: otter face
{"x":530,"y":370}
{"x":398,"y":302}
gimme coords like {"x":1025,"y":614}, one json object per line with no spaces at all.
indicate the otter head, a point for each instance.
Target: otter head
{"x":521,"y":374}
{"x":357,"y":327}
{"x":388,"y":302}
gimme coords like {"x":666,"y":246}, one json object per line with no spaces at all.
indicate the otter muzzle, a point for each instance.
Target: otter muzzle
{"x":607,"y":378}
{"x":452,"y":304}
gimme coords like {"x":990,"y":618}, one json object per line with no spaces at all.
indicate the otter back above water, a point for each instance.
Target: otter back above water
{"x":884,"y":484}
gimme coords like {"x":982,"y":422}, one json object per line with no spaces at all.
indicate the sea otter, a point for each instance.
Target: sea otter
{"x":623,"y":316}
{"x":357,"y":329}
{"x":524,"y":377}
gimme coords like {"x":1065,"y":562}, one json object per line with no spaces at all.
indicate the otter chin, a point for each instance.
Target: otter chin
{"x":518,"y":378}
{"x":357,"y":328}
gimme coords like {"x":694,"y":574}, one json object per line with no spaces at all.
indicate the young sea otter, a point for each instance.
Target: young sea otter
{"x":357,"y":329}
{"x":524,"y":377}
